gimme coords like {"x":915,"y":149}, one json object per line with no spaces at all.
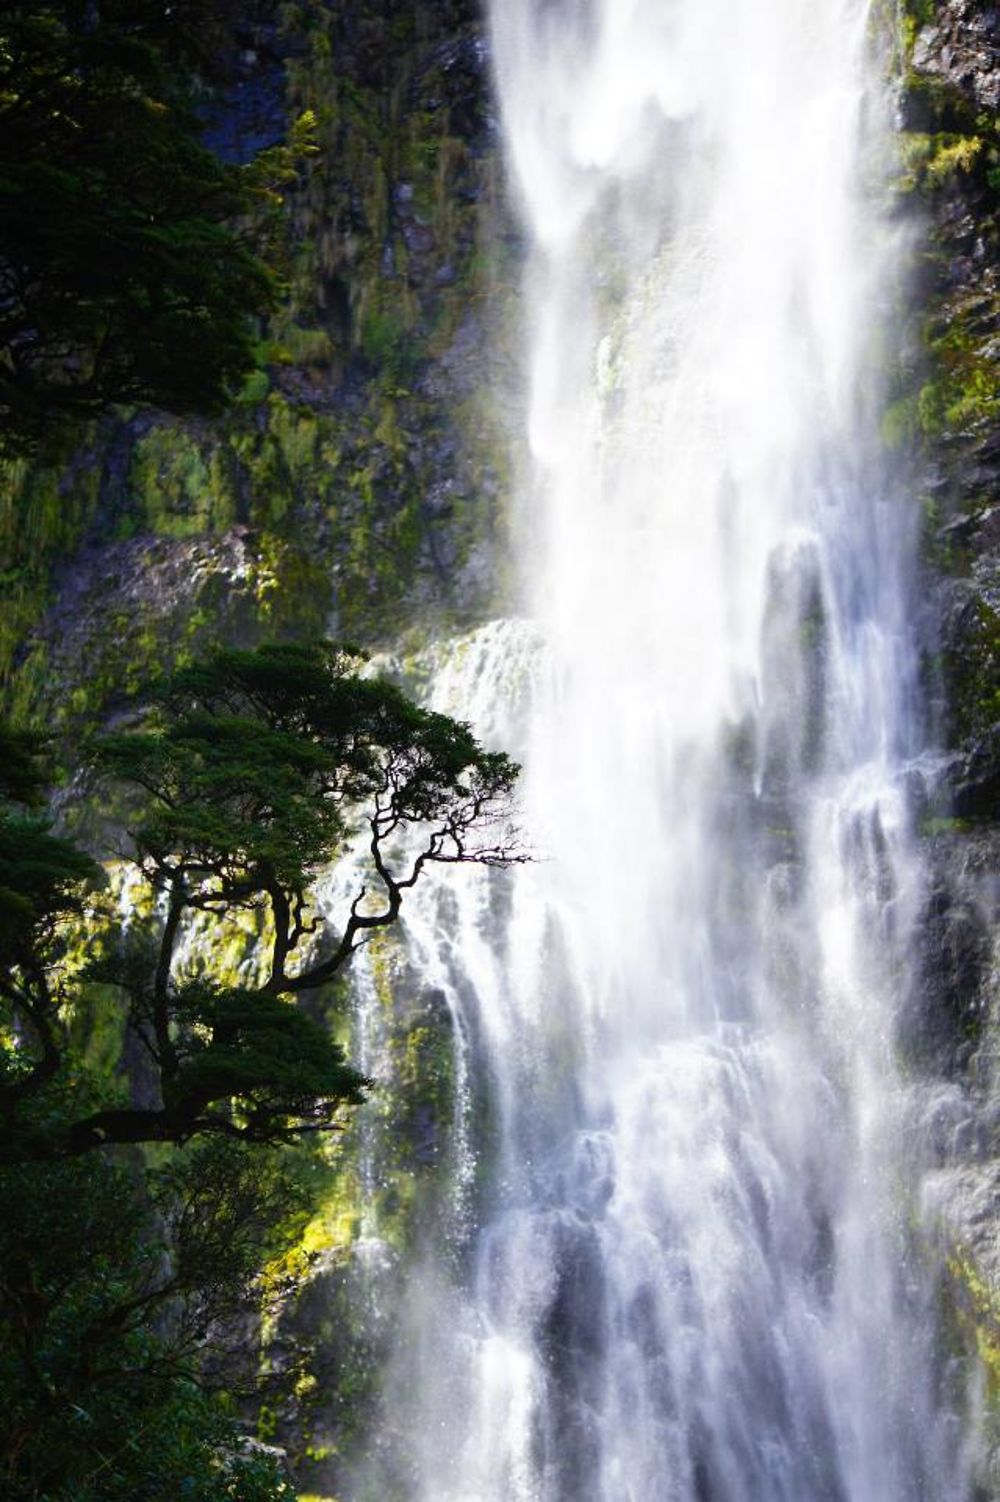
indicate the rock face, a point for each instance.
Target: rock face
{"x":948,"y":409}
{"x":960,"y":46}
{"x":367,"y":451}
{"x":948,"y":406}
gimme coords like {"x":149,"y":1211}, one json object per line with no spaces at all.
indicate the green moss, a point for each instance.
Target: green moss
{"x":386,"y":340}
{"x":961,"y":394}
{"x":267,"y":1424}
{"x":946,"y":398}
{"x":972,"y":676}
{"x":977,"y":1307}
{"x":292,"y":589}
{"x":947,"y":402}
{"x":920,"y":12}
{"x":898,"y":426}
{"x":932,"y":825}
{"x":930,"y":162}
{"x":179,"y":484}
{"x":952,"y":155}
{"x":425,"y":1068}
{"x":334,"y":1226}
{"x":284,"y":460}
{"x":232,"y":948}
{"x":254,"y":389}
{"x":273,"y":589}
{"x":311,"y":347}
{"x":44,"y":510}
{"x":101,"y":1029}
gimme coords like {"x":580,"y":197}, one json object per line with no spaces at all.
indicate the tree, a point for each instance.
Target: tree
{"x":112,"y":1276}
{"x":126,"y":1279}
{"x":116,"y":1292}
{"x":256,"y":770}
{"x":41,"y":877}
{"x":127,"y":273}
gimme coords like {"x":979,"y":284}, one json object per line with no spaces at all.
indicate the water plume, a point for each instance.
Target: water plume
{"x":687,"y":1266}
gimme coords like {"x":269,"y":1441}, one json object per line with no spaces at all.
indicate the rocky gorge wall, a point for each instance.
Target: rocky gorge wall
{"x":944,"y":424}
{"x":360,"y":482}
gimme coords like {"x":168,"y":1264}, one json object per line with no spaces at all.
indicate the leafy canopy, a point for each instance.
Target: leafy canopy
{"x":41,"y":877}
{"x":120,"y":1275}
{"x":252,"y":772}
{"x":108,"y":1296}
{"x":122,"y":275}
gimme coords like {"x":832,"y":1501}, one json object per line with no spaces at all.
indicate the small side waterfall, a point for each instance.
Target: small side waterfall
{"x":686,"y":1263}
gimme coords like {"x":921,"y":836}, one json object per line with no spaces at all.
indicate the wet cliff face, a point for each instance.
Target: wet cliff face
{"x":946,"y":418}
{"x":360,"y":483}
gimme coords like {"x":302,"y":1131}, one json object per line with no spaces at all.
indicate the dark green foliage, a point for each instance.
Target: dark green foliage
{"x":40,"y":880}
{"x":125,"y":1288}
{"x":252,"y":770}
{"x":22,"y":770}
{"x":230,"y":794}
{"x":274,"y":1063}
{"x":121,"y":278}
{"x":110,"y":1286}
{"x":259,"y":765}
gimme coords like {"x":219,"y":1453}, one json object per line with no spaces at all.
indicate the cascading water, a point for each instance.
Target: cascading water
{"x":690,"y":1272}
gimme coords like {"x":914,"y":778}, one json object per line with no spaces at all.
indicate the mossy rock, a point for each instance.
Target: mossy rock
{"x":140,"y":607}
{"x":360,"y":441}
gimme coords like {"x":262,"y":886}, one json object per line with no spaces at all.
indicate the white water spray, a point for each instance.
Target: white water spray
{"x":691,"y":1274}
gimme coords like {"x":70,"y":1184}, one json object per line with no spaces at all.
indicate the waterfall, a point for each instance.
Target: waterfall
{"x":686,"y":1264}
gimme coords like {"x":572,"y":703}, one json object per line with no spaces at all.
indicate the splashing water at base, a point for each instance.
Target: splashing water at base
{"x":689,"y":1268}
